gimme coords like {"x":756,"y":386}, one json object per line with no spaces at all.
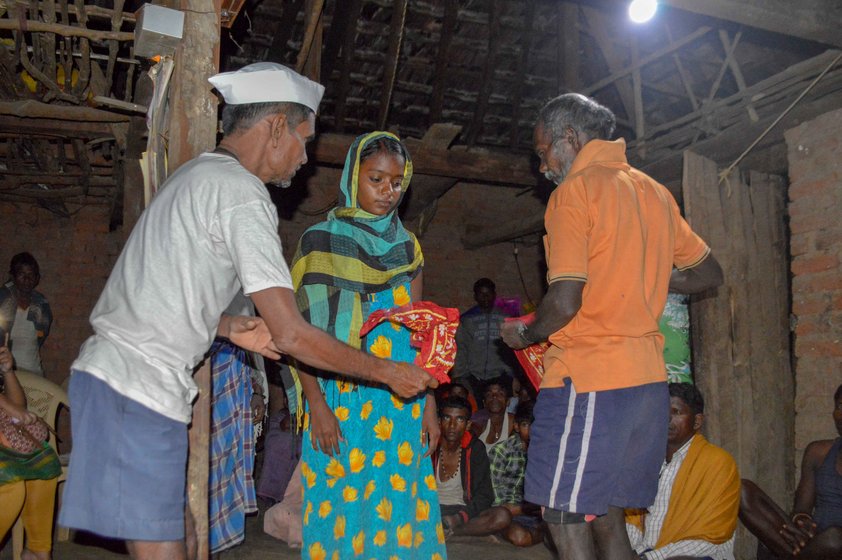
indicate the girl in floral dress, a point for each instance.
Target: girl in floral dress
{"x":369,"y":488}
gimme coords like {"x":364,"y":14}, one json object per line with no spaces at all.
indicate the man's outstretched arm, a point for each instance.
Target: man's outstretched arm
{"x":705,"y":275}
{"x":559,"y":306}
{"x":296,"y":337}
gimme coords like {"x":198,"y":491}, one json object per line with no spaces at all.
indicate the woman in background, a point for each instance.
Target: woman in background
{"x":30,"y":489}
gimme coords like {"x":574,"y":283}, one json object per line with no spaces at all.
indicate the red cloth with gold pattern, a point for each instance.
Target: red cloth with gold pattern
{"x":433,"y":333}
{"x":531,"y":358}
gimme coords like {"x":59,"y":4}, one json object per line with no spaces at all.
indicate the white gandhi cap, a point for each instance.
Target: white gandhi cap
{"x":267,"y":82}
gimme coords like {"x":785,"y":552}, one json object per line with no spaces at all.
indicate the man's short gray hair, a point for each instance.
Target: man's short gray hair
{"x":236,"y":118}
{"x":581,"y":113}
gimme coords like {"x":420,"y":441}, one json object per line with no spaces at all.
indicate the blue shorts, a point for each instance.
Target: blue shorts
{"x":127,"y":467}
{"x":589,"y":451}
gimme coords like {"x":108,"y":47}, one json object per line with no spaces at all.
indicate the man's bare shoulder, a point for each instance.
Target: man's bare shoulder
{"x":816,"y":451}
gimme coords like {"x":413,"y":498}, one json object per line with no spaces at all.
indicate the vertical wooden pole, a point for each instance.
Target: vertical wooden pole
{"x":193,"y":106}
{"x":192,"y":130}
{"x":741,"y":331}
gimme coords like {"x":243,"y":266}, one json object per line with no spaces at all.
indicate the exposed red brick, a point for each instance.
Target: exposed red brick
{"x":820,"y":345}
{"x":830,"y":280}
{"x":820,"y":185}
{"x":814,"y":263}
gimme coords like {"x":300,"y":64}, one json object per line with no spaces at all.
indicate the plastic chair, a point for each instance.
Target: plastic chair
{"x":43,"y":397}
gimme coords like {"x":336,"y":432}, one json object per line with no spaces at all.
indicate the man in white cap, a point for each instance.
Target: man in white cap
{"x":211,"y":232}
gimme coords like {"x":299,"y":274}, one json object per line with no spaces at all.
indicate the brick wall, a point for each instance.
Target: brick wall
{"x":815,"y":193}
{"x":75,"y":256}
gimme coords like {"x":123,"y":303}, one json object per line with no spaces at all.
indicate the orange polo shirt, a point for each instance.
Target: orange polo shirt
{"x":619,"y":231}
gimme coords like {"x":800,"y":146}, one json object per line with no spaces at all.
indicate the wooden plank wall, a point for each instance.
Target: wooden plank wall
{"x":741,"y":344}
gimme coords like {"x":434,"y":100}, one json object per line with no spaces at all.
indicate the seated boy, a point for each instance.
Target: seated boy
{"x":463,"y":477}
{"x":695,"y":510}
{"x":508,"y":470}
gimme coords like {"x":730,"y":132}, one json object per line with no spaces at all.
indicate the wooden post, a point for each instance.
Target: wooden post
{"x":740,"y":332}
{"x":192,"y":130}
{"x":193,"y":106}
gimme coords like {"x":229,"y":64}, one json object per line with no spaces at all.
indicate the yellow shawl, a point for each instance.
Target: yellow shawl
{"x":705,"y":497}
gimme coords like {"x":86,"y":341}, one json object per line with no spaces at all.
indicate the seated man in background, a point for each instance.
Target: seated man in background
{"x":814,"y":530}
{"x":695,"y":510}
{"x":463,"y":478}
{"x":508,"y":471}
{"x":492,"y":423}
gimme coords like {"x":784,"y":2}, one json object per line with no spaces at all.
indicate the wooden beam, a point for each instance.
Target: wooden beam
{"x":333,"y":40}
{"x":392,"y":56}
{"x":685,"y":77}
{"x":646,"y":60}
{"x":426,"y":189}
{"x":735,"y":69}
{"x":723,"y":67}
{"x":598,"y":29}
{"x":38,"y":110}
{"x":78,"y":10}
{"x":506,"y":231}
{"x":568,"y":34}
{"x":349,"y":36}
{"x":448,"y":25}
{"x":312,"y":37}
{"x":193,"y":108}
{"x":477,"y":164}
{"x":639,"y":123}
{"x":729,"y":142}
{"x":64,"y":30}
{"x":495,"y":13}
{"x":284,"y":30}
{"x":814,"y":20}
{"x":762,"y":92}
{"x":9,"y":181}
{"x":192,"y":126}
{"x":525,"y":45}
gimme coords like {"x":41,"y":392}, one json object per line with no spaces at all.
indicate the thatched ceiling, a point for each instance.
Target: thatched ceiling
{"x":462,"y":79}
{"x":488,"y":65}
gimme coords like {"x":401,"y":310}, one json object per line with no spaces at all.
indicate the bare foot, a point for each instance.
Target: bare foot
{"x":30,"y":555}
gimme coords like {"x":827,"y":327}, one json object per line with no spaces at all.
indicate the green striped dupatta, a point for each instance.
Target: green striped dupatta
{"x":350,"y":254}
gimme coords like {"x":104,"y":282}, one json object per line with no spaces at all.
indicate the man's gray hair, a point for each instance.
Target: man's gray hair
{"x":581,"y":113}
{"x":236,"y":118}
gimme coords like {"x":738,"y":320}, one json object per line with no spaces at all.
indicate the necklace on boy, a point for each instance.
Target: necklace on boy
{"x":443,"y":475}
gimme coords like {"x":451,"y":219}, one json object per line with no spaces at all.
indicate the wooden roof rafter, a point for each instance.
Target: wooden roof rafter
{"x":349,"y":35}
{"x":568,"y":39}
{"x":525,"y":45}
{"x":598,"y":29}
{"x":682,"y":72}
{"x":393,"y":54}
{"x":488,"y":72}
{"x":814,"y":20}
{"x":448,"y":27}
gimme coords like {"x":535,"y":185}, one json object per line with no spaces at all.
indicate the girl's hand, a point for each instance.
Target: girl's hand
{"x":324,"y":429}
{"x":430,"y":427}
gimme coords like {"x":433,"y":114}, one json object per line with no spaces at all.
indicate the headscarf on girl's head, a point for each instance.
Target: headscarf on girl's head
{"x":354,"y":250}
{"x":350,"y":254}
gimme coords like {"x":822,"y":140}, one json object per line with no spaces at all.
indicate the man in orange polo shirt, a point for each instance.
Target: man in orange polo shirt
{"x":615,"y":244}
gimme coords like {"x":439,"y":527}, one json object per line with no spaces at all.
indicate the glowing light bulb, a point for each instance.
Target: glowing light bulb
{"x":641,"y":11}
